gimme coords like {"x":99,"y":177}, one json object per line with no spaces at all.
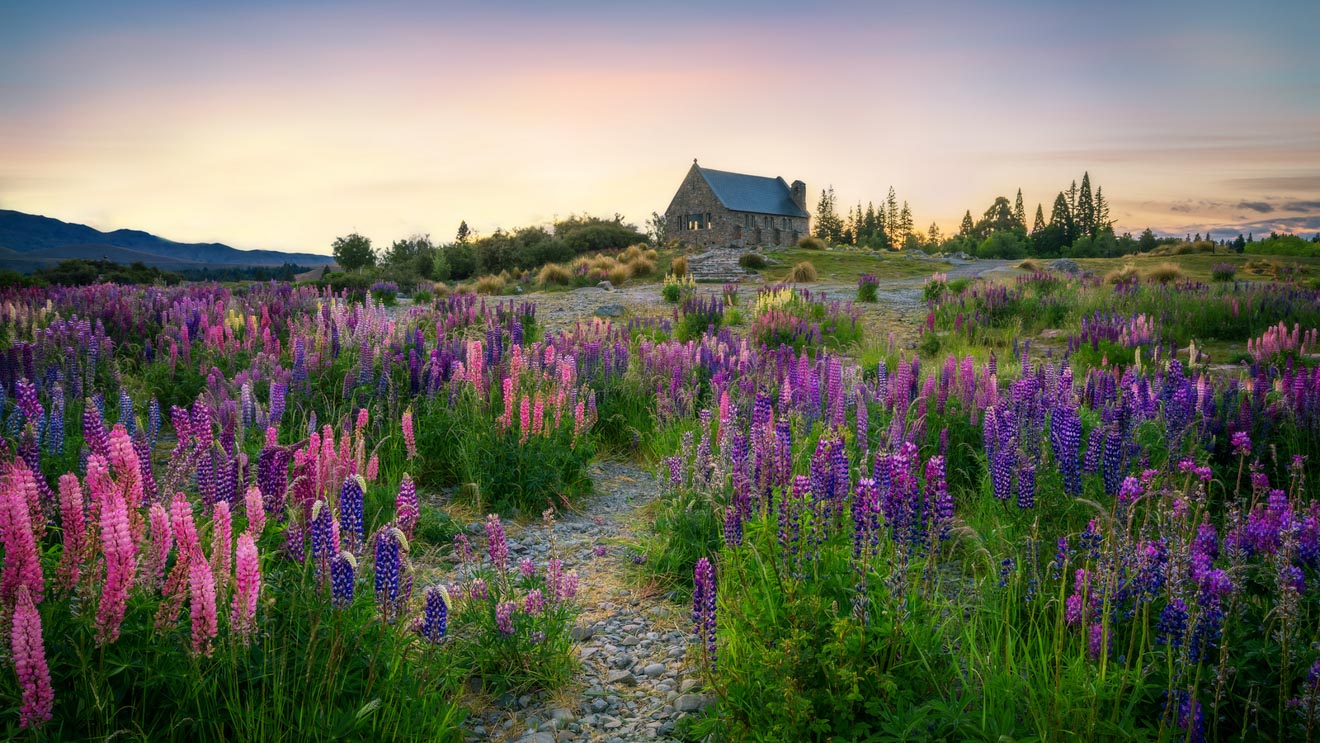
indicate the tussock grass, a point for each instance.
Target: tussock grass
{"x":803,"y":272}
{"x":679,"y":266}
{"x":489,"y":284}
{"x":554,"y":273}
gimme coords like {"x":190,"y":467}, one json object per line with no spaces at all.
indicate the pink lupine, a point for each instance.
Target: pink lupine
{"x":525,"y":417}
{"x":162,"y":540}
{"x":201,"y":599}
{"x":247,"y":587}
{"x":22,"y":480}
{"x":22,"y":568}
{"x":222,"y":544}
{"x":256,"y":512}
{"x":272,"y":436}
{"x":127,"y":468}
{"x":185,"y":536}
{"x":373,"y":468}
{"x":120,"y":566}
{"x":506,"y":387}
{"x":538,"y":414}
{"x":362,"y":417}
{"x":29,"y":654}
{"x":409,"y":436}
{"x":74,"y":526}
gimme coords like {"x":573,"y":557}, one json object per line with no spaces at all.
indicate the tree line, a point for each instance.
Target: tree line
{"x":468,"y":255}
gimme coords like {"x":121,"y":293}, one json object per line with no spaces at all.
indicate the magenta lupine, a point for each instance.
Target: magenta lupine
{"x":534,"y":603}
{"x":409,"y":436}
{"x":405,"y":506}
{"x":504,"y":617}
{"x":201,"y":601}
{"x":373,"y":468}
{"x":73,"y":523}
{"x":525,"y":418}
{"x":21,"y":567}
{"x":29,"y":655}
{"x":162,"y":541}
{"x":527,"y":567}
{"x":120,"y":567}
{"x":186,"y":541}
{"x":703,"y":608}
{"x":247,"y":587}
{"x":496,"y":544}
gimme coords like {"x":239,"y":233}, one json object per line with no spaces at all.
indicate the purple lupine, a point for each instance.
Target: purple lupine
{"x":703,"y":607}
{"x":324,"y":543}
{"x":1065,"y":440}
{"x":1113,"y":461}
{"x":496,"y":544}
{"x":342,"y":578}
{"x":153,"y":422}
{"x":94,"y":433}
{"x":1001,"y":473}
{"x":1026,"y":494}
{"x":937,"y":489}
{"x":351,"y":526}
{"x":405,"y":506}
{"x":1172,"y":625}
{"x":1095,"y":443}
{"x":435,"y":616}
{"x":504,"y":617}
{"x":388,"y":567}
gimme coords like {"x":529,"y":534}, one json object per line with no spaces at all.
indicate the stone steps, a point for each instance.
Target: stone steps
{"x":719,"y":265}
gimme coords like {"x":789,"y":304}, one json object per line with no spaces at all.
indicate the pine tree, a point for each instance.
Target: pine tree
{"x":1039,"y":226}
{"x":904,"y":224}
{"x":1084,"y":213}
{"x":967,"y":227}
{"x":828,"y":224}
{"x":1072,"y":199}
{"x":1102,"y":221}
{"x":891,"y":212}
{"x":1019,"y":212}
{"x":463,"y":232}
{"x":869,"y":225}
{"x":934,"y":236}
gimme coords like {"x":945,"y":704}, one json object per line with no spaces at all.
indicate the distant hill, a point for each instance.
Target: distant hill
{"x":29,"y":241}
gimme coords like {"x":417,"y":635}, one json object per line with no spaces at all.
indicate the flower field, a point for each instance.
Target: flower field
{"x":225,"y":512}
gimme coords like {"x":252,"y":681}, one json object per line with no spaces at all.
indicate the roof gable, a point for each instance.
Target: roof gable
{"x":752,"y":193}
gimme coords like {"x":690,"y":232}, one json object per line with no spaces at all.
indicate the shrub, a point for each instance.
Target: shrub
{"x":619,"y":273}
{"x":1223,"y":271}
{"x":679,"y":266}
{"x":811,"y":242}
{"x":642,"y":266}
{"x":632,"y":253}
{"x":554,"y":273}
{"x":675,"y":288}
{"x":1030,"y":265}
{"x":752,"y":261}
{"x":1164,"y":273}
{"x":422,"y":297}
{"x":867,"y":288}
{"x":803,"y":272}
{"x":490,"y":284}
{"x":1122,"y":275}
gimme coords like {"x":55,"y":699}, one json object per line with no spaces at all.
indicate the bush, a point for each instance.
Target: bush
{"x":811,"y":242}
{"x":490,"y":284}
{"x":1122,"y":275}
{"x":752,"y":261}
{"x":867,"y":287}
{"x":1164,"y":273}
{"x":642,"y":266}
{"x":619,"y":273}
{"x":679,"y":266}
{"x":423,"y":297}
{"x":803,"y":272}
{"x":555,"y":273}
{"x":1223,"y":271}
{"x":675,"y":288}
{"x":1030,"y":265}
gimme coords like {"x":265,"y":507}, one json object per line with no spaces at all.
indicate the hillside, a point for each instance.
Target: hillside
{"x":28,"y":241}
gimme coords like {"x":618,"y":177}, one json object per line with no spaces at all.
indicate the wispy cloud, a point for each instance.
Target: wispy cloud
{"x":1264,"y":207}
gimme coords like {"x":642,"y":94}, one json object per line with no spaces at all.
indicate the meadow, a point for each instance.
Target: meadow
{"x":222,"y":508}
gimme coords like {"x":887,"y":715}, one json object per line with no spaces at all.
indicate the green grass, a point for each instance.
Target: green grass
{"x":1197,"y":266}
{"x":846,"y":266}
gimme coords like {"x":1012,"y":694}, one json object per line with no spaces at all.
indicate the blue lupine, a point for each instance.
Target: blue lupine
{"x":342,"y":578}
{"x":351,"y":526}
{"x":435,"y":616}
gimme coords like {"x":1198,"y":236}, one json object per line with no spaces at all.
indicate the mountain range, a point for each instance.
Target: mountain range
{"x":30,"y":241}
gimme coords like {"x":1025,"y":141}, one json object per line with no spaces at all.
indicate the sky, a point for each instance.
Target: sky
{"x":282,"y":125}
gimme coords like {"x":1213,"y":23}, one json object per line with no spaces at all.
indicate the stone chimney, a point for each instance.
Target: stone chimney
{"x":799,"y":190}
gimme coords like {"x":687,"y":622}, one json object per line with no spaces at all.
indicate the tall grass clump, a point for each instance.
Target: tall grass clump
{"x":803,"y":272}
{"x":679,"y":266}
{"x":811,"y":242}
{"x":1165,"y":273}
{"x":554,"y":274}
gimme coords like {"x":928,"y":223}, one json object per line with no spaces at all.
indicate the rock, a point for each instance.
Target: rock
{"x":539,"y":737}
{"x":1065,"y":265}
{"x":611,"y":310}
{"x":620,"y":677}
{"x":629,"y":642}
{"x":692,"y":702}
{"x":599,"y":705}
{"x":561,"y":717}
{"x":582,"y":632}
{"x":689,"y":685}
{"x":655,"y":669}
{"x":606,"y":285}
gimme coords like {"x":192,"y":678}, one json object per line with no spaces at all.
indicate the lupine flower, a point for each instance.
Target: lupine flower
{"x":247,"y":587}
{"x":256,"y":513}
{"x":405,"y":506}
{"x":74,"y":527}
{"x":703,"y":608}
{"x":1172,"y":625}
{"x":409,"y":436}
{"x":29,"y":654}
{"x":351,"y":526}
{"x":504,"y":617}
{"x":534,"y":604}
{"x":201,"y":590}
{"x":1026,"y":486}
{"x":1241,"y":443}
{"x":390,"y":546}
{"x":477,"y":590}
{"x":222,"y":532}
{"x":435,"y":616}
{"x":342,"y":579}
{"x":527,"y":568}
{"x":120,"y":566}
{"x":496,"y":545}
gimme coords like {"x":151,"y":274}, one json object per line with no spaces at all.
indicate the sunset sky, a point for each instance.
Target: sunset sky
{"x":281,"y":125}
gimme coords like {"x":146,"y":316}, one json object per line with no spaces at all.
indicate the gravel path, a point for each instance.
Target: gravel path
{"x":634,"y":682}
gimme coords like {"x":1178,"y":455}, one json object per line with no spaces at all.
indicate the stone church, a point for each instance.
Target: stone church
{"x":716,"y":208}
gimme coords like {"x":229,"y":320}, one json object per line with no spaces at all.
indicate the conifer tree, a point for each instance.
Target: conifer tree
{"x":1019,"y":213}
{"x":1102,"y":221}
{"x":1039,"y":225}
{"x":904,"y":224}
{"x":933,"y":235}
{"x":828,"y":225}
{"x":891,"y":213}
{"x":1084,"y":212}
{"x":967,"y":227}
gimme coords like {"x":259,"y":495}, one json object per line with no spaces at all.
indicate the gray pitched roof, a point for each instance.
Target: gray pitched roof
{"x":752,"y":193}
